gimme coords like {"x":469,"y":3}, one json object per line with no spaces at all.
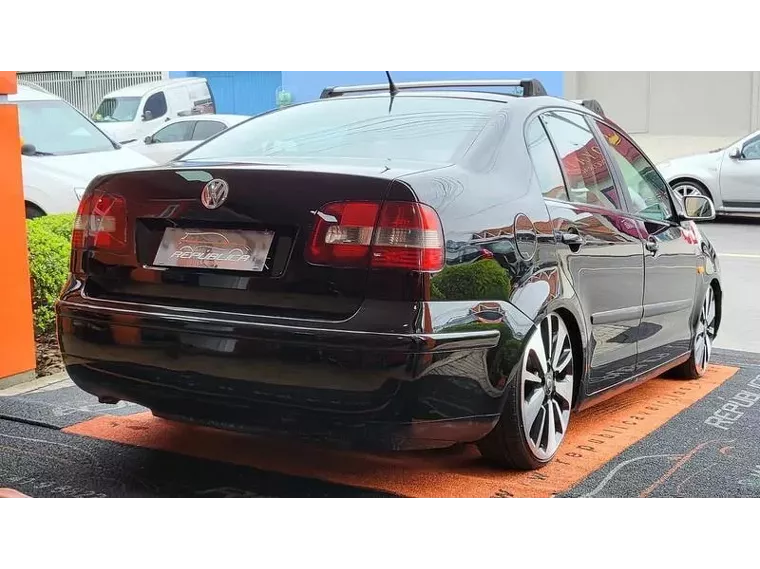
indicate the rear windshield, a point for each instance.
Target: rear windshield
{"x":413,"y":128}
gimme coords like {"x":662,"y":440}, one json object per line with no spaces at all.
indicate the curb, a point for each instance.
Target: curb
{"x":32,"y":384}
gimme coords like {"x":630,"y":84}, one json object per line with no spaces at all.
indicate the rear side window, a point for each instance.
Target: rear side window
{"x":207,"y":129}
{"x":545,"y":162}
{"x":411,"y":128}
{"x":589,"y":176}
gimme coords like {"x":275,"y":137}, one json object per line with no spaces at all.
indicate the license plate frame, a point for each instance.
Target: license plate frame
{"x":240,"y":250}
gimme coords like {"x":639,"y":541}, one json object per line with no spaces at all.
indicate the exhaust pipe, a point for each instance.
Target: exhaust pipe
{"x":108,"y":400}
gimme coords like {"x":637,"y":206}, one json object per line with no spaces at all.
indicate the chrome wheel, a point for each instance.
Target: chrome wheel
{"x":687,"y":189}
{"x":705,"y":334}
{"x":546,"y":387}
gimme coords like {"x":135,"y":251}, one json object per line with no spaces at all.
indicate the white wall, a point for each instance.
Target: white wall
{"x":675,"y":113}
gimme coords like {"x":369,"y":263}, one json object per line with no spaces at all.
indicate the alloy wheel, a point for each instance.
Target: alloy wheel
{"x":687,"y":189}
{"x":705,"y":333}
{"x":546,"y":387}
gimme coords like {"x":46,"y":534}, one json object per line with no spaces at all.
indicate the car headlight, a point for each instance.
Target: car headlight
{"x":663,"y":165}
{"x":79,"y":192}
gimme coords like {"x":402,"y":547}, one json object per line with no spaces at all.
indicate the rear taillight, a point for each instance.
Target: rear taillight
{"x":393,"y":235}
{"x":101,"y":222}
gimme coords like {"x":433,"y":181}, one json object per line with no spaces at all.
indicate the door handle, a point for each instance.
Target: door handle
{"x":652,"y":245}
{"x":572,"y":239}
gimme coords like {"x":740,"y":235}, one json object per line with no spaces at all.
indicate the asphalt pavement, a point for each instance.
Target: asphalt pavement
{"x":737,"y":241}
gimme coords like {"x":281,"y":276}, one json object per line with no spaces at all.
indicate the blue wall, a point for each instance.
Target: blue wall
{"x":252,"y":92}
{"x":307,"y":85}
{"x":240,"y":92}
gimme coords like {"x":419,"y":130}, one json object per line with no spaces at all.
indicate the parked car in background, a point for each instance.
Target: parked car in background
{"x":393,"y":266}
{"x":130,"y":113}
{"x":180,"y":135}
{"x":62,"y":150}
{"x":730,"y":176}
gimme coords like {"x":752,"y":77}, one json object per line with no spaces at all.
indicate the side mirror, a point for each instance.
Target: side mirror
{"x":148,"y":140}
{"x":28,"y":149}
{"x":698,"y":208}
{"x":735,"y":153}
{"x":147,"y":116}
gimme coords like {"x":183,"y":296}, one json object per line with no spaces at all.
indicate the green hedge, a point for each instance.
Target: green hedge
{"x":482,"y":280}
{"x":49,"y":243}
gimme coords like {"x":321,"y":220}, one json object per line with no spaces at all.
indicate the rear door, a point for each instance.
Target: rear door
{"x":598,"y":243}
{"x":178,"y":100}
{"x":201,"y":98}
{"x":670,"y":255}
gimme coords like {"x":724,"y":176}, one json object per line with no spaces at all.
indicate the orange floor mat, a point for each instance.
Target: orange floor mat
{"x":595,"y":437}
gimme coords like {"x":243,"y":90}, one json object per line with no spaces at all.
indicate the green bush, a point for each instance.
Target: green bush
{"x":482,"y":280}
{"x":49,"y":243}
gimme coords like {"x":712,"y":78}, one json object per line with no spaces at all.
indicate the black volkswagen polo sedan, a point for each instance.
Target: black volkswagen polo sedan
{"x":395,"y":266}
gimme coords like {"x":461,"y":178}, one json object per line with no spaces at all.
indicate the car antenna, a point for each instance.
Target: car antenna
{"x":392,"y":88}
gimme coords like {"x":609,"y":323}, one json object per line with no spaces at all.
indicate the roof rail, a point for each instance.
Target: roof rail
{"x":530,"y":87}
{"x":591,"y":104}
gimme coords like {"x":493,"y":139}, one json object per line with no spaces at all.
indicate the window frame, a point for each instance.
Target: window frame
{"x":171,"y":125}
{"x":595,"y":134}
{"x":199,"y":121}
{"x":674,"y":209}
{"x":536,"y":117}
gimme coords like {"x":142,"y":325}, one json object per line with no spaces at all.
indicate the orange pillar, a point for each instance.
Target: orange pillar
{"x":17,"y":350}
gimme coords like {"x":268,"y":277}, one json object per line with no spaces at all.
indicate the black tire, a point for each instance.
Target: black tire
{"x":508,"y":445}
{"x":705,"y":329}
{"x":33,"y":211}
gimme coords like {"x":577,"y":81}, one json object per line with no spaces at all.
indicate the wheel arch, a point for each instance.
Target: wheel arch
{"x":693,"y":180}
{"x":718,"y":291}
{"x":30,"y":204}
{"x":579,"y":350}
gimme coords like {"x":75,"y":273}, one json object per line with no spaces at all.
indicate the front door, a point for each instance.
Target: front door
{"x":740,"y":176}
{"x":670,"y":256}
{"x":170,"y":141}
{"x":599,"y":247}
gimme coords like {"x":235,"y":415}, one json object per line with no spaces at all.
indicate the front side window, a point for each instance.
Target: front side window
{"x":54,"y":127}
{"x":751,"y":150}
{"x":413,"y":127}
{"x":177,"y":132}
{"x":647,"y":190}
{"x":155,"y":105}
{"x":589,"y":177}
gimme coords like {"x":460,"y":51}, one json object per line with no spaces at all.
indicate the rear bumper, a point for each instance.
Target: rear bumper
{"x":338,"y":384}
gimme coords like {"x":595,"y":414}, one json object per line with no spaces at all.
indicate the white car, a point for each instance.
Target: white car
{"x":180,"y":135}
{"x":62,"y":151}
{"x":130,"y":113}
{"x":730,"y":176}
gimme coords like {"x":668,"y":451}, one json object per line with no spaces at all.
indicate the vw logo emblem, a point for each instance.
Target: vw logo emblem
{"x":214,"y":193}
